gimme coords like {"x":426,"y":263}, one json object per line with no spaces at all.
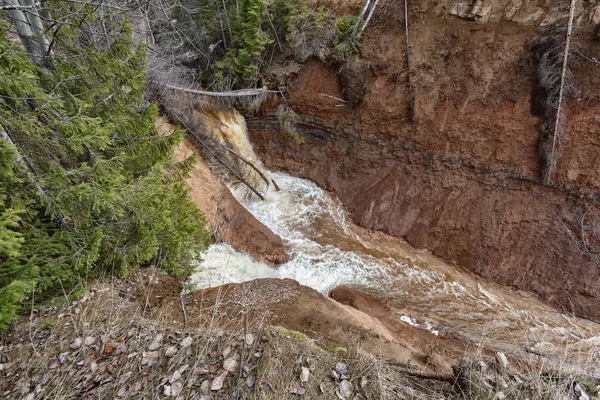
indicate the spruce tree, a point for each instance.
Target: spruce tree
{"x":87,"y":185}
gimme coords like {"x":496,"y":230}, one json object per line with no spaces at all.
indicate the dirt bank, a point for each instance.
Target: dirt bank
{"x":462,"y":177}
{"x":226,"y":218}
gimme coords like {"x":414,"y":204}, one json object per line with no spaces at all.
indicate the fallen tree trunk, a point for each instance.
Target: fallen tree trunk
{"x":233,"y":93}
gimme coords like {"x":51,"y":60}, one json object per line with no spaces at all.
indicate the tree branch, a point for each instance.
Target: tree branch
{"x":233,"y":93}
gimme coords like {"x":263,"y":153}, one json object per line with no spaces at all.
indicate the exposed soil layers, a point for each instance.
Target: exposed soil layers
{"x":462,"y":178}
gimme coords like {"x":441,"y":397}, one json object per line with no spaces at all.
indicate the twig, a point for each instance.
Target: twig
{"x":333,"y":97}
{"x":237,"y":389}
{"x":233,"y":93}
{"x":183,"y":310}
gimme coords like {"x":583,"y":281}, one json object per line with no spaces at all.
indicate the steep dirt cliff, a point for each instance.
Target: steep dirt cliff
{"x":461,"y":176}
{"x":226,"y":218}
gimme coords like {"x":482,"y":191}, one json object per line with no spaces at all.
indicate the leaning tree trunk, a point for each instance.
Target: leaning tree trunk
{"x":553,"y":162}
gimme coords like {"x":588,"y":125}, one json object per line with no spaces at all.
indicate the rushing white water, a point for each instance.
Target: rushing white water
{"x":328,"y":250}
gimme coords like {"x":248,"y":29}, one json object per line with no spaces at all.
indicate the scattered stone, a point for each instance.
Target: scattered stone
{"x":221,"y":333}
{"x":63,"y":357}
{"x":502,"y":360}
{"x":500,"y":396}
{"x":53,"y":365}
{"x":167,"y":390}
{"x":175,"y":377}
{"x":76,"y":343}
{"x":297,"y":389}
{"x":363,"y":381}
{"x":250,"y":381}
{"x":217,"y":383}
{"x":187,"y":342}
{"x":201,"y":371}
{"x":345,"y":389}
{"x":131,"y":332}
{"x":176,"y":389}
{"x":299,"y":361}
{"x":89,"y":340}
{"x":154,"y":346}
{"x":230,"y":364}
{"x":171,"y":351}
{"x":304,"y":375}
{"x":342,"y":368}
{"x":149,"y":358}
{"x":582,"y":393}
{"x":93,"y":366}
{"x":227,"y":352}
{"x":122,"y":348}
{"x":249,"y":338}
{"x":123,"y":392}
{"x":205,"y":386}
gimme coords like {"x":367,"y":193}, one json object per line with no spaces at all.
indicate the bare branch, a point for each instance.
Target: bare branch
{"x":233,"y":93}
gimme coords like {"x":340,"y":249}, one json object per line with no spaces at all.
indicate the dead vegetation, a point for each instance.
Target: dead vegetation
{"x":288,"y":119}
{"x":125,"y":339}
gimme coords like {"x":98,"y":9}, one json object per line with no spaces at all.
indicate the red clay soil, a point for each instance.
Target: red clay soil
{"x":375,"y":326}
{"x":229,"y":221}
{"x":462,"y":178}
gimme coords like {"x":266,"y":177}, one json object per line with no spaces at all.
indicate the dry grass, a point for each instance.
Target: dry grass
{"x":122,"y":339}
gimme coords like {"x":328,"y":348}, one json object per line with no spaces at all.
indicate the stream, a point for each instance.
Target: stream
{"x":328,"y":250}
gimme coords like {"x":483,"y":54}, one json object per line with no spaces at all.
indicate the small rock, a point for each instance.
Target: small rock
{"x":131,"y":332}
{"x":304,"y":375}
{"x":342,"y":368}
{"x":217,"y":383}
{"x":63,"y":357}
{"x":204,"y":386}
{"x":201,"y":371}
{"x":299,"y":361}
{"x":89,"y":340}
{"x":297,"y":389}
{"x":154,"y":346}
{"x":93,"y":366}
{"x":149,"y":358}
{"x":227,"y":352}
{"x":345,"y":389}
{"x":175,"y":377}
{"x":230,"y":365}
{"x":502,"y":360}
{"x":171,"y":351}
{"x":250,"y":381}
{"x":363,"y":381}
{"x":500,"y":396}
{"x":221,"y":333}
{"x":167,"y":390}
{"x":176,"y":389}
{"x":123,"y":391}
{"x":76,"y":343}
{"x":249,"y":338}
{"x":335,"y":375}
{"x":187,"y":342}
{"x":582,"y":394}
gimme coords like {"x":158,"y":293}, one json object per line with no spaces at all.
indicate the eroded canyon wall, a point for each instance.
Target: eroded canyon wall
{"x":461,"y":176}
